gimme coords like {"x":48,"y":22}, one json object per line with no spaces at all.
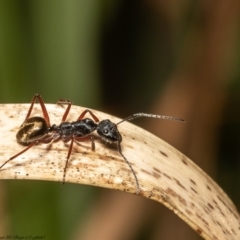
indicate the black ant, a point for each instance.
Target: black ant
{"x":37,"y":130}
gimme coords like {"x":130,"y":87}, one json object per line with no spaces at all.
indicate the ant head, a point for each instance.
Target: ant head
{"x":109,"y":132}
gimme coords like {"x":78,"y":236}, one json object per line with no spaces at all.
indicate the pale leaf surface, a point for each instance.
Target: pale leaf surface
{"x":165,"y":175}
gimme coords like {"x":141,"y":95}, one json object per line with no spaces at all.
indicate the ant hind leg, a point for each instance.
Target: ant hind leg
{"x":18,"y":154}
{"x":90,"y":112}
{"x":43,"y":107}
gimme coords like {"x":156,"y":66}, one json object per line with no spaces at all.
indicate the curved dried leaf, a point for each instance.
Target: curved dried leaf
{"x":165,"y":175}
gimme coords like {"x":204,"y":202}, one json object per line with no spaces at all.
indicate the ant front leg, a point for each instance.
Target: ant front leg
{"x":131,"y":168}
{"x":43,"y":107}
{"x":69,"y":104}
{"x":90,"y":112}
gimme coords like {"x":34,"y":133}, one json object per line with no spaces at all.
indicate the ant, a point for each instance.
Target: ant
{"x":38,"y":130}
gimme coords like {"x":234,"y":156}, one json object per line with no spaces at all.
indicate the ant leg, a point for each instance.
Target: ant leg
{"x":68,"y":156}
{"x":70,"y":150}
{"x":69,"y":103}
{"x":131,"y":168}
{"x":44,"y":140}
{"x":24,"y":150}
{"x":44,"y":110}
{"x":90,"y":112}
{"x":49,"y":140}
{"x":88,"y":138}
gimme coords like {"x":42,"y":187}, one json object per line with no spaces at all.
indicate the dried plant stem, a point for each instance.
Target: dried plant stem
{"x":165,"y":175}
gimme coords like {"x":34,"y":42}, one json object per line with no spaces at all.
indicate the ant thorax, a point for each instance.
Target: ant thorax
{"x":79,"y":128}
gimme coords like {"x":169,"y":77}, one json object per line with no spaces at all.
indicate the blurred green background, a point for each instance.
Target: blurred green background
{"x":177,"y":58}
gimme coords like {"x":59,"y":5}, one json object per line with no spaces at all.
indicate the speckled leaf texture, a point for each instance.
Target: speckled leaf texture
{"x":165,"y":175}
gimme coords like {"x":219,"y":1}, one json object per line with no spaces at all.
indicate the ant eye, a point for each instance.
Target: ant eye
{"x":105,"y":131}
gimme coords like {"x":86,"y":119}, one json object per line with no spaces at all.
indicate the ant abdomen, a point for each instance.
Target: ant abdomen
{"x":31,"y":130}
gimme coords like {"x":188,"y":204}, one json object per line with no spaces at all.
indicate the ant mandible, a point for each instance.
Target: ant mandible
{"x":37,"y":130}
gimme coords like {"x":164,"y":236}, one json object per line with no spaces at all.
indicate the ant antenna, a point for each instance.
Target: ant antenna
{"x":138,"y":115}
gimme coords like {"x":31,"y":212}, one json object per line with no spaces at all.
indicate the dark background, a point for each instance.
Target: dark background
{"x":177,"y":58}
